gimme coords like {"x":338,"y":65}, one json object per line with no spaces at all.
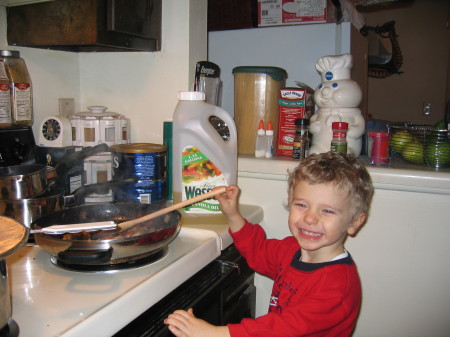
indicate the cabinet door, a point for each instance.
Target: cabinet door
{"x":135,"y":18}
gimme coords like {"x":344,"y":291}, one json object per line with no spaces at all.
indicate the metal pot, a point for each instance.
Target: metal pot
{"x":23,"y":181}
{"x":54,"y":199}
{"x":12,"y":236}
{"x":51,"y":199}
{"x":108,"y":247}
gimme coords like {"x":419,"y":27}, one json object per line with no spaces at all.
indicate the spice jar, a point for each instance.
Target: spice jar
{"x":301,"y":140}
{"x":339,"y":141}
{"x":16,"y":99}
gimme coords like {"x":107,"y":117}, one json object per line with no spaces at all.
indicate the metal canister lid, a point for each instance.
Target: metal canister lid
{"x":10,"y":53}
{"x":138,"y":148}
{"x":13,"y":235}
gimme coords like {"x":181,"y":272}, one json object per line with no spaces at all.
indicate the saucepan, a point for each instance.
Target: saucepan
{"x":31,"y":180}
{"x":51,"y":198}
{"x":143,"y":230}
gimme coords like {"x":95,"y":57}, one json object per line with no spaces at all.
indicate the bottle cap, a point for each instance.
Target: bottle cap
{"x":339,"y":125}
{"x":269,"y":131}
{"x":261,"y":128}
{"x":191,"y":96}
{"x":301,"y":121}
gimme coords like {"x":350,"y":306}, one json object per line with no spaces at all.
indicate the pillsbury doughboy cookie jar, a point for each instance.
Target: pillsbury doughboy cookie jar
{"x":337,"y":98}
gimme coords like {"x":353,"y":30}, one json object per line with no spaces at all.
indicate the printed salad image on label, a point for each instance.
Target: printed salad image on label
{"x":199,"y":176}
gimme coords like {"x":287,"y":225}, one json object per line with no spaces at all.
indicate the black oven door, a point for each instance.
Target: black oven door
{"x":221,"y":293}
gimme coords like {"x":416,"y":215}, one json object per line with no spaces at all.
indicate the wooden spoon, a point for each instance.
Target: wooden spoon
{"x":130,"y":223}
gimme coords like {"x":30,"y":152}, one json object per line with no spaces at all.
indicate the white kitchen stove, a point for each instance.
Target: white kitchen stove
{"x":51,"y":301}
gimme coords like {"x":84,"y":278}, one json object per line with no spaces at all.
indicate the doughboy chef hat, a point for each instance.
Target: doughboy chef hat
{"x":335,"y":67}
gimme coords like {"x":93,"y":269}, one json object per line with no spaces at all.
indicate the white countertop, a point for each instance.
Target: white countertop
{"x":49,"y":301}
{"x":398,"y":176}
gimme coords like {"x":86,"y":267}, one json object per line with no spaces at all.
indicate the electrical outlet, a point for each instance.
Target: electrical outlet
{"x":427,"y":109}
{"x":66,"y":107}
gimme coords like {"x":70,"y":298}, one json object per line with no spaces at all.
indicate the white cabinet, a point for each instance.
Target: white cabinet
{"x":401,"y":252}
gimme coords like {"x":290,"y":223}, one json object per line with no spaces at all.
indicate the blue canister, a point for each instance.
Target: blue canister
{"x":148,"y":162}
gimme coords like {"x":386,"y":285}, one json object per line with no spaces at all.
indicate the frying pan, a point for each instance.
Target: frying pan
{"x":143,"y":229}
{"x":108,"y":247}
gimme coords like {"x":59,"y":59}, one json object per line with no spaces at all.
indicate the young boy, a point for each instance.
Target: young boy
{"x":316,"y":290}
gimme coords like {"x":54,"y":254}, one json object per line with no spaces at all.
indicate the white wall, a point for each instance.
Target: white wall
{"x":141,"y":85}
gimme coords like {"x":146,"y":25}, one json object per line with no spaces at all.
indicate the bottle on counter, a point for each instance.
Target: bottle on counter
{"x":269,"y":140}
{"x":260,"y":147}
{"x":16,"y":99}
{"x":300,"y":146}
{"x":201,"y":158}
{"x":339,"y":140}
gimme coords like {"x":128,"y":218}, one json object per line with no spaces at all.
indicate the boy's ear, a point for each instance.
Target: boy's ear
{"x":357,"y":224}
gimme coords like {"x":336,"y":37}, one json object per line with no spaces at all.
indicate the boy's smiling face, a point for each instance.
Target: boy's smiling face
{"x":320,"y":217}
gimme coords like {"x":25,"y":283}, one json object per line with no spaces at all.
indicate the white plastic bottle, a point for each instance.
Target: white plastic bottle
{"x":269,"y":140}
{"x":260,"y":143}
{"x":202,"y":158}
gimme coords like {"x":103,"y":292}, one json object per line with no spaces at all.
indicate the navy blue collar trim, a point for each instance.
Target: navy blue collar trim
{"x":304,"y":266}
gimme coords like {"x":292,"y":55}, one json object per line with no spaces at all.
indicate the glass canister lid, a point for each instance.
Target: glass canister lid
{"x":98,"y":112}
{"x":278,"y":74}
{"x":13,"y":236}
{"x":9,"y":53}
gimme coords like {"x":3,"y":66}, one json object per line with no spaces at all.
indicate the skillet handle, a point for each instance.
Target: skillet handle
{"x":85,"y":256}
{"x":78,"y":195}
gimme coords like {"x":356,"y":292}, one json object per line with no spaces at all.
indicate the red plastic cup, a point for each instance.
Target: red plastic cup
{"x":380,"y":147}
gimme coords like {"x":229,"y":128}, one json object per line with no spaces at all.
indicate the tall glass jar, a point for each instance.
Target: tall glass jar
{"x":16,"y":94}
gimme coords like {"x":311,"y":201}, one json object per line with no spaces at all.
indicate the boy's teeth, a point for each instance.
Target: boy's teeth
{"x":310,"y":233}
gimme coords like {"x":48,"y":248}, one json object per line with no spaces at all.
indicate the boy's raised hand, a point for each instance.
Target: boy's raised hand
{"x":229,"y":206}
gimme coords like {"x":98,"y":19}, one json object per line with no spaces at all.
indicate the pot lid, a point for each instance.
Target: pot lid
{"x":13,"y":235}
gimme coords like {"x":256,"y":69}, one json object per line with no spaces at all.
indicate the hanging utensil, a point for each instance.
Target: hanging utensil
{"x":130,"y":223}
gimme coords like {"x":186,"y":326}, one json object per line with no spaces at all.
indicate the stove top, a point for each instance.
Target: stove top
{"x":51,"y":301}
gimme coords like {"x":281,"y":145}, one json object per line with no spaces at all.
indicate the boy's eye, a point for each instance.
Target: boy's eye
{"x":329,"y":211}
{"x":300,"y":204}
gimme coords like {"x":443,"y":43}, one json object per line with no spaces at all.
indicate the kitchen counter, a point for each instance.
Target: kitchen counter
{"x":397,"y":176}
{"x":51,"y":301}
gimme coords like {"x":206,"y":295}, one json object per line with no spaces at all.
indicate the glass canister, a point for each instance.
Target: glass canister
{"x":256,"y":91}
{"x":16,"y":94}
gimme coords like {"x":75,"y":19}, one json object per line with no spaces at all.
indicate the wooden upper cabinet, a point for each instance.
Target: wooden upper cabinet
{"x":87,"y":25}
{"x":19,"y":2}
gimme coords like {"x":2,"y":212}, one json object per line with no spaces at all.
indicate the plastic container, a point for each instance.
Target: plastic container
{"x":260,"y":144}
{"x":202,"y":159}
{"x":256,"y":91}
{"x":269,"y":141}
{"x":16,"y":94}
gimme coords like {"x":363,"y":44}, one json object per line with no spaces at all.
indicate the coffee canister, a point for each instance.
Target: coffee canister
{"x":16,"y":95}
{"x":148,"y":162}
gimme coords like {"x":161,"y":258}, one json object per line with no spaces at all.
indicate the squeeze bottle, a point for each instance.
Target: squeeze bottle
{"x":202,"y":159}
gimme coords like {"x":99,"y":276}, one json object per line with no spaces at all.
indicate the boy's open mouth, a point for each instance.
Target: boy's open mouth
{"x":310,"y":235}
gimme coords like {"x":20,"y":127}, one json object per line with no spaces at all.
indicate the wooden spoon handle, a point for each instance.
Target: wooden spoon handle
{"x":128,"y":224}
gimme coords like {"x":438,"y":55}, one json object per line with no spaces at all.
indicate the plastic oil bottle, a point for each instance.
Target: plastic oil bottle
{"x":202,"y":159}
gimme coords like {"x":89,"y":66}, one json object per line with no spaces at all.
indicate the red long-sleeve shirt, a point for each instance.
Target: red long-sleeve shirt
{"x":308,"y":299}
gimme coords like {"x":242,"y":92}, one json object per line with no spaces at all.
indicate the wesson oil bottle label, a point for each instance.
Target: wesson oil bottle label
{"x":199,"y":175}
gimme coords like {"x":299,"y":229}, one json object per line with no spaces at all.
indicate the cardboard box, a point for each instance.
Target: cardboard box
{"x":293,"y":103}
{"x":292,"y":12}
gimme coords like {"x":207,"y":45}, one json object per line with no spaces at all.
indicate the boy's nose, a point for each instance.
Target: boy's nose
{"x":310,"y":218}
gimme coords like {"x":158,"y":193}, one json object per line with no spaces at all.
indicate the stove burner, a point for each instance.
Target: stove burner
{"x":11,"y":329}
{"x":113,"y":267}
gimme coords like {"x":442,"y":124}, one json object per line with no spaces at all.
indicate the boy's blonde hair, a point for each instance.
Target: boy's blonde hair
{"x":341,"y":170}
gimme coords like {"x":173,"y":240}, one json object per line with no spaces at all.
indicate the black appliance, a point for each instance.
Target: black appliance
{"x":16,"y":145}
{"x":221,"y":293}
